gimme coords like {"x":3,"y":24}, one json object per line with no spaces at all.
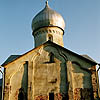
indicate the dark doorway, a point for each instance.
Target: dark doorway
{"x":21,"y":95}
{"x":51,"y":96}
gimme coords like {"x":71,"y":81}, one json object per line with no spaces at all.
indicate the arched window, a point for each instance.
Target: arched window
{"x":50,"y":37}
{"x":51,"y":55}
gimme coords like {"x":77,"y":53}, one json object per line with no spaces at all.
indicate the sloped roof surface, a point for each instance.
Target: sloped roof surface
{"x":89,"y":58}
{"x":10,"y":59}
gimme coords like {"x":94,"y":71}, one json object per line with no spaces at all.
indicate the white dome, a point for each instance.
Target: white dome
{"x":47,"y":17}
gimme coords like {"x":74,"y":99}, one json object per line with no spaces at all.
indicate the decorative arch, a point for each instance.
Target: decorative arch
{"x":74,"y":62}
{"x":56,"y":51}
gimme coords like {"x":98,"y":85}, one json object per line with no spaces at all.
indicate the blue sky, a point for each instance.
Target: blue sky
{"x":82,"y":32}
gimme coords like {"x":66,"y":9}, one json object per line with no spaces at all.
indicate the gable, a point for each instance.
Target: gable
{"x":66,"y":55}
{"x":65,"y":51}
{"x":13,"y":58}
{"x":85,"y":58}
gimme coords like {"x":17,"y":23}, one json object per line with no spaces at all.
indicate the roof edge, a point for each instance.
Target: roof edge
{"x":95,"y":63}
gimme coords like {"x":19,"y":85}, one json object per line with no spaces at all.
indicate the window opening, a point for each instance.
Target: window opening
{"x":21,"y":94}
{"x":65,"y":97}
{"x":50,"y":37}
{"x":51,"y":55}
{"x":51,"y":96}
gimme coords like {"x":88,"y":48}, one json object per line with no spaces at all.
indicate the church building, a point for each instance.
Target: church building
{"x":50,"y":71}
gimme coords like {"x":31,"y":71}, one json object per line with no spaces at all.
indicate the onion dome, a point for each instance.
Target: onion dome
{"x":47,"y":17}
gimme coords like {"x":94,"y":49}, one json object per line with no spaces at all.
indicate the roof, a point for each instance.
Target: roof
{"x":10,"y":59}
{"x":15,"y":57}
{"x":47,"y":17}
{"x":88,"y":57}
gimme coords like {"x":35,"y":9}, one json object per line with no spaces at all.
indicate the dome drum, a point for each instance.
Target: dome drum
{"x":47,"y":30}
{"x":48,"y":25}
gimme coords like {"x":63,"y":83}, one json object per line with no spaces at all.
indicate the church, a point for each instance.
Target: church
{"x":50,"y":71}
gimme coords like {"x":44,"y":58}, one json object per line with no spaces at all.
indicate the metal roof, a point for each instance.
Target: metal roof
{"x":10,"y":59}
{"x":88,"y":57}
{"x":47,"y":17}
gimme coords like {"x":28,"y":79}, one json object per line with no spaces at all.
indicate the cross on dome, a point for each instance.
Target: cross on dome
{"x":46,"y":2}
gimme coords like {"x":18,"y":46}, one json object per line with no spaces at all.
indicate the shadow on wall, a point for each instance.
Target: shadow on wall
{"x":24,"y":85}
{"x":85,"y":75}
{"x":64,"y":85}
{"x":87,"y":91}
